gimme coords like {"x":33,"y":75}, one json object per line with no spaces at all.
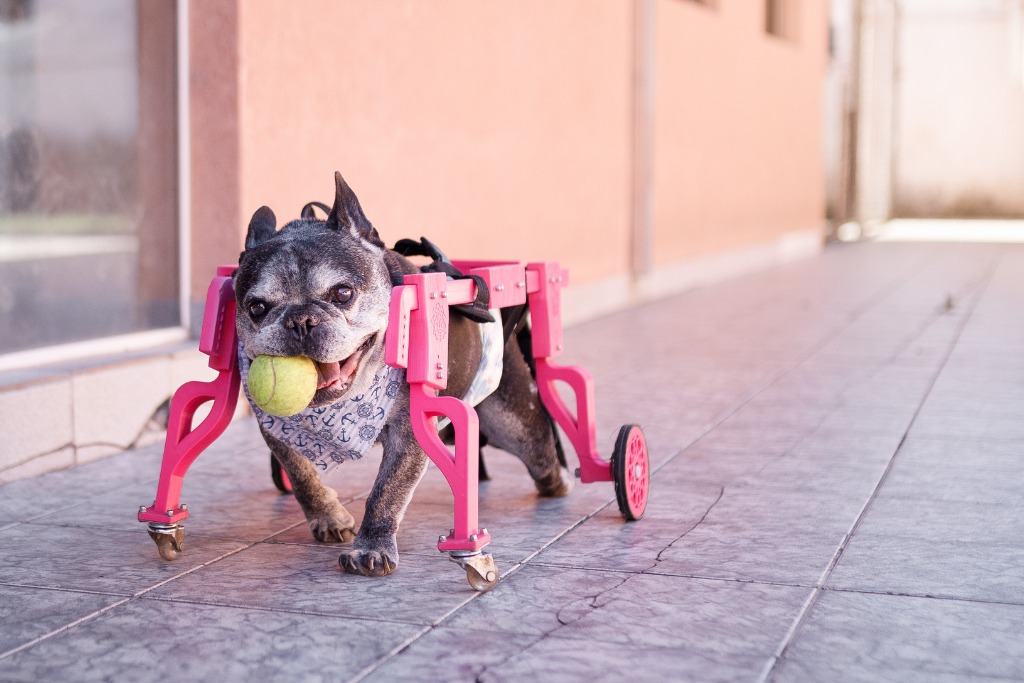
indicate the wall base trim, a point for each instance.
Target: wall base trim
{"x":594,"y":299}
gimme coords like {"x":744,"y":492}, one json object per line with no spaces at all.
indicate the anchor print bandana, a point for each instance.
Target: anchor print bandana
{"x":330,"y":435}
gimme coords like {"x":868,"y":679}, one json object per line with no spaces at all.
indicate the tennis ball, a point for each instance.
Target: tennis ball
{"x":282,"y":385}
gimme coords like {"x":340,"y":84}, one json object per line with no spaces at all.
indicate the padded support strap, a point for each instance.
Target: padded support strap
{"x":477,"y":311}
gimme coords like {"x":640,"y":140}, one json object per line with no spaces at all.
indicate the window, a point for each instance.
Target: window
{"x":88,"y":172}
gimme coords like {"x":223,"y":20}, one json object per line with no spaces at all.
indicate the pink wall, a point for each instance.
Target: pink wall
{"x":215,"y":150}
{"x":737,"y":135}
{"x":498,"y":130}
{"x":505,"y":130}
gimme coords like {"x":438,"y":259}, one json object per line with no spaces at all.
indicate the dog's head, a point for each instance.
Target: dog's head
{"x":319,"y":289}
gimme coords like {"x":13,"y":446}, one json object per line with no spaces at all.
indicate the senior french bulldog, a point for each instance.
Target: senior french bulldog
{"x":322,"y":289}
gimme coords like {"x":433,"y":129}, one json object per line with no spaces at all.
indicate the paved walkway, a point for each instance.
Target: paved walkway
{"x":838,"y":495}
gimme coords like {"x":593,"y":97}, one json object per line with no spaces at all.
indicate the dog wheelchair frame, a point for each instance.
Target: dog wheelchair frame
{"x":417,"y":340}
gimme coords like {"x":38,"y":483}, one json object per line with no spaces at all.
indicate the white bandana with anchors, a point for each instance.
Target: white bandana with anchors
{"x":332,"y":434}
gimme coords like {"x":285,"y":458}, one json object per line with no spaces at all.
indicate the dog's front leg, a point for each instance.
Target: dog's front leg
{"x":375,"y":549}
{"x":328,"y":519}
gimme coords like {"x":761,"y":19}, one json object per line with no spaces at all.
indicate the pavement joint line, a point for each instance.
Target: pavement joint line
{"x":152,"y":483}
{"x":275,"y":610}
{"x":680,"y":575}
{"x":386,"y":657}
{"x":924,"y":596}
{"x":773,"y":668}
{"x":134,"y":596}
{"x":61,"y":589}
{"x":66,"y":627}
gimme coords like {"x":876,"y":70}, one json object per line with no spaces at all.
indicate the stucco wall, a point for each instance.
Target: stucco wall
{"x":498,"y":130}
{"x":507,"y":130}
{"x":738,"y":157}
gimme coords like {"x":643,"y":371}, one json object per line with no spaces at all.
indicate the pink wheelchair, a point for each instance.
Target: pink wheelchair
{"x":417,"y":340}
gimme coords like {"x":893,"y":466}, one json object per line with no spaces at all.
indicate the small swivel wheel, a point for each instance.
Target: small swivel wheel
{"x":169,"y":538}
{"x":481,"y":570}
{"x":279,"y":476}
{"x":631,"y":469}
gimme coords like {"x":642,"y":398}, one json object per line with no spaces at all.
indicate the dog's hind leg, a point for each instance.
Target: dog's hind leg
{"x":514,"y":419}
{"x":328,"y":519}
{"x":375,"y":549}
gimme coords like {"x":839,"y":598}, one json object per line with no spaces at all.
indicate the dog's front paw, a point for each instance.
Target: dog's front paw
{"x":337,"y":526}
{"x":558,"y":483}
{"x":369,"y":562}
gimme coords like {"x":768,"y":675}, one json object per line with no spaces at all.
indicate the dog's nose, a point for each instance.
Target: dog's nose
{"x":301,"y":323}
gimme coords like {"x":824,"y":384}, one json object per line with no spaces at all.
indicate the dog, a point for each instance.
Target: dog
{"x":322,"y":289}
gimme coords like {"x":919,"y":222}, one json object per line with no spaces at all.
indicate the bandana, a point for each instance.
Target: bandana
{"x":331,"y":434}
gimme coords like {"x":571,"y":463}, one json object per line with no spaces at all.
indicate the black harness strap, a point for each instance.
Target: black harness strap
{"x":477,"y":310}
{"x":307,"y":210}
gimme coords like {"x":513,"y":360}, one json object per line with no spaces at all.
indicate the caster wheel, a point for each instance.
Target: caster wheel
{"x":170,"y":540}
{"x":277,"y":473}
{"x":480,"y":582}
{"x":481,"y":570}
{"x":631,"y":469}
{"x":166,"y":547}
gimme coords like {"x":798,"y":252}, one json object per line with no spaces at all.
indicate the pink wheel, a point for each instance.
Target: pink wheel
{"x":279,"y":476}
{"x":631,"y":469}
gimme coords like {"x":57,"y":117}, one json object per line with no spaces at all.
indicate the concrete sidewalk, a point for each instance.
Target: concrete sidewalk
{"x":838,"y":494}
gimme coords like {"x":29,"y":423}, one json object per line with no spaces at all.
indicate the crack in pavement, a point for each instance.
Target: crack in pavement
{"x":657,"y":560}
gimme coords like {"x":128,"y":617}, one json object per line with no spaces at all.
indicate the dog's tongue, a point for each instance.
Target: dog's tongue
{"x":337,"y":372}
{"x":329,"y":373}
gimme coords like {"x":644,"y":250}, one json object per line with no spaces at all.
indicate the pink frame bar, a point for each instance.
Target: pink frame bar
{"x":183,"y":442}
{"x":546,"y":321}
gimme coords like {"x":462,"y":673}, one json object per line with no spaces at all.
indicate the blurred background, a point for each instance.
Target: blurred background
{"x":649,"y":145}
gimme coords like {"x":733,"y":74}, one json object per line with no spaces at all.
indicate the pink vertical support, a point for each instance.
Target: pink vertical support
{"x":184,"y":443}
{"x":417,"y":339}
{"x":546,"y":321}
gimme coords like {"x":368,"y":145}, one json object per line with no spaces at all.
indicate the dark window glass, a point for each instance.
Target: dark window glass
{"x":88,"y":173}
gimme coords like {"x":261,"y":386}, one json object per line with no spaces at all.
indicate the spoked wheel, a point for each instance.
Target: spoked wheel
{"x":631,"y":469}
{"x":277,"y":473}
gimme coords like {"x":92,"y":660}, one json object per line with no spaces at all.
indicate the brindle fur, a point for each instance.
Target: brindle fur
{"x":294,"y":270}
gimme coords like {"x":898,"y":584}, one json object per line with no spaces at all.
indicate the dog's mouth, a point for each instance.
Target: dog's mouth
{"x":337,"y":376}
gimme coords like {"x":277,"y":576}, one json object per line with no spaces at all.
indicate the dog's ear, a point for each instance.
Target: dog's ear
{"x":347,"y":215}
{"x":262,"y":227}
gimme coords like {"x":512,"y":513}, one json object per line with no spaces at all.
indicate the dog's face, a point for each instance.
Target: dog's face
{"x":319,"y":289}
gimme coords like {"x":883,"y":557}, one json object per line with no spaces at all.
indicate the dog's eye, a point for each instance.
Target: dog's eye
{"x":258,"y":309}
{"x":342,"y":294}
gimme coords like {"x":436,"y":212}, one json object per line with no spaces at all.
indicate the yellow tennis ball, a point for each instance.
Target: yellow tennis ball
{"x":282,"y":385}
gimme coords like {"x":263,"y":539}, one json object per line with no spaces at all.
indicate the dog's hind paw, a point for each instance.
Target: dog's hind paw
{"x":369,"y":562}
{"x":558,"y":483}
{"x":336,"y":528}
